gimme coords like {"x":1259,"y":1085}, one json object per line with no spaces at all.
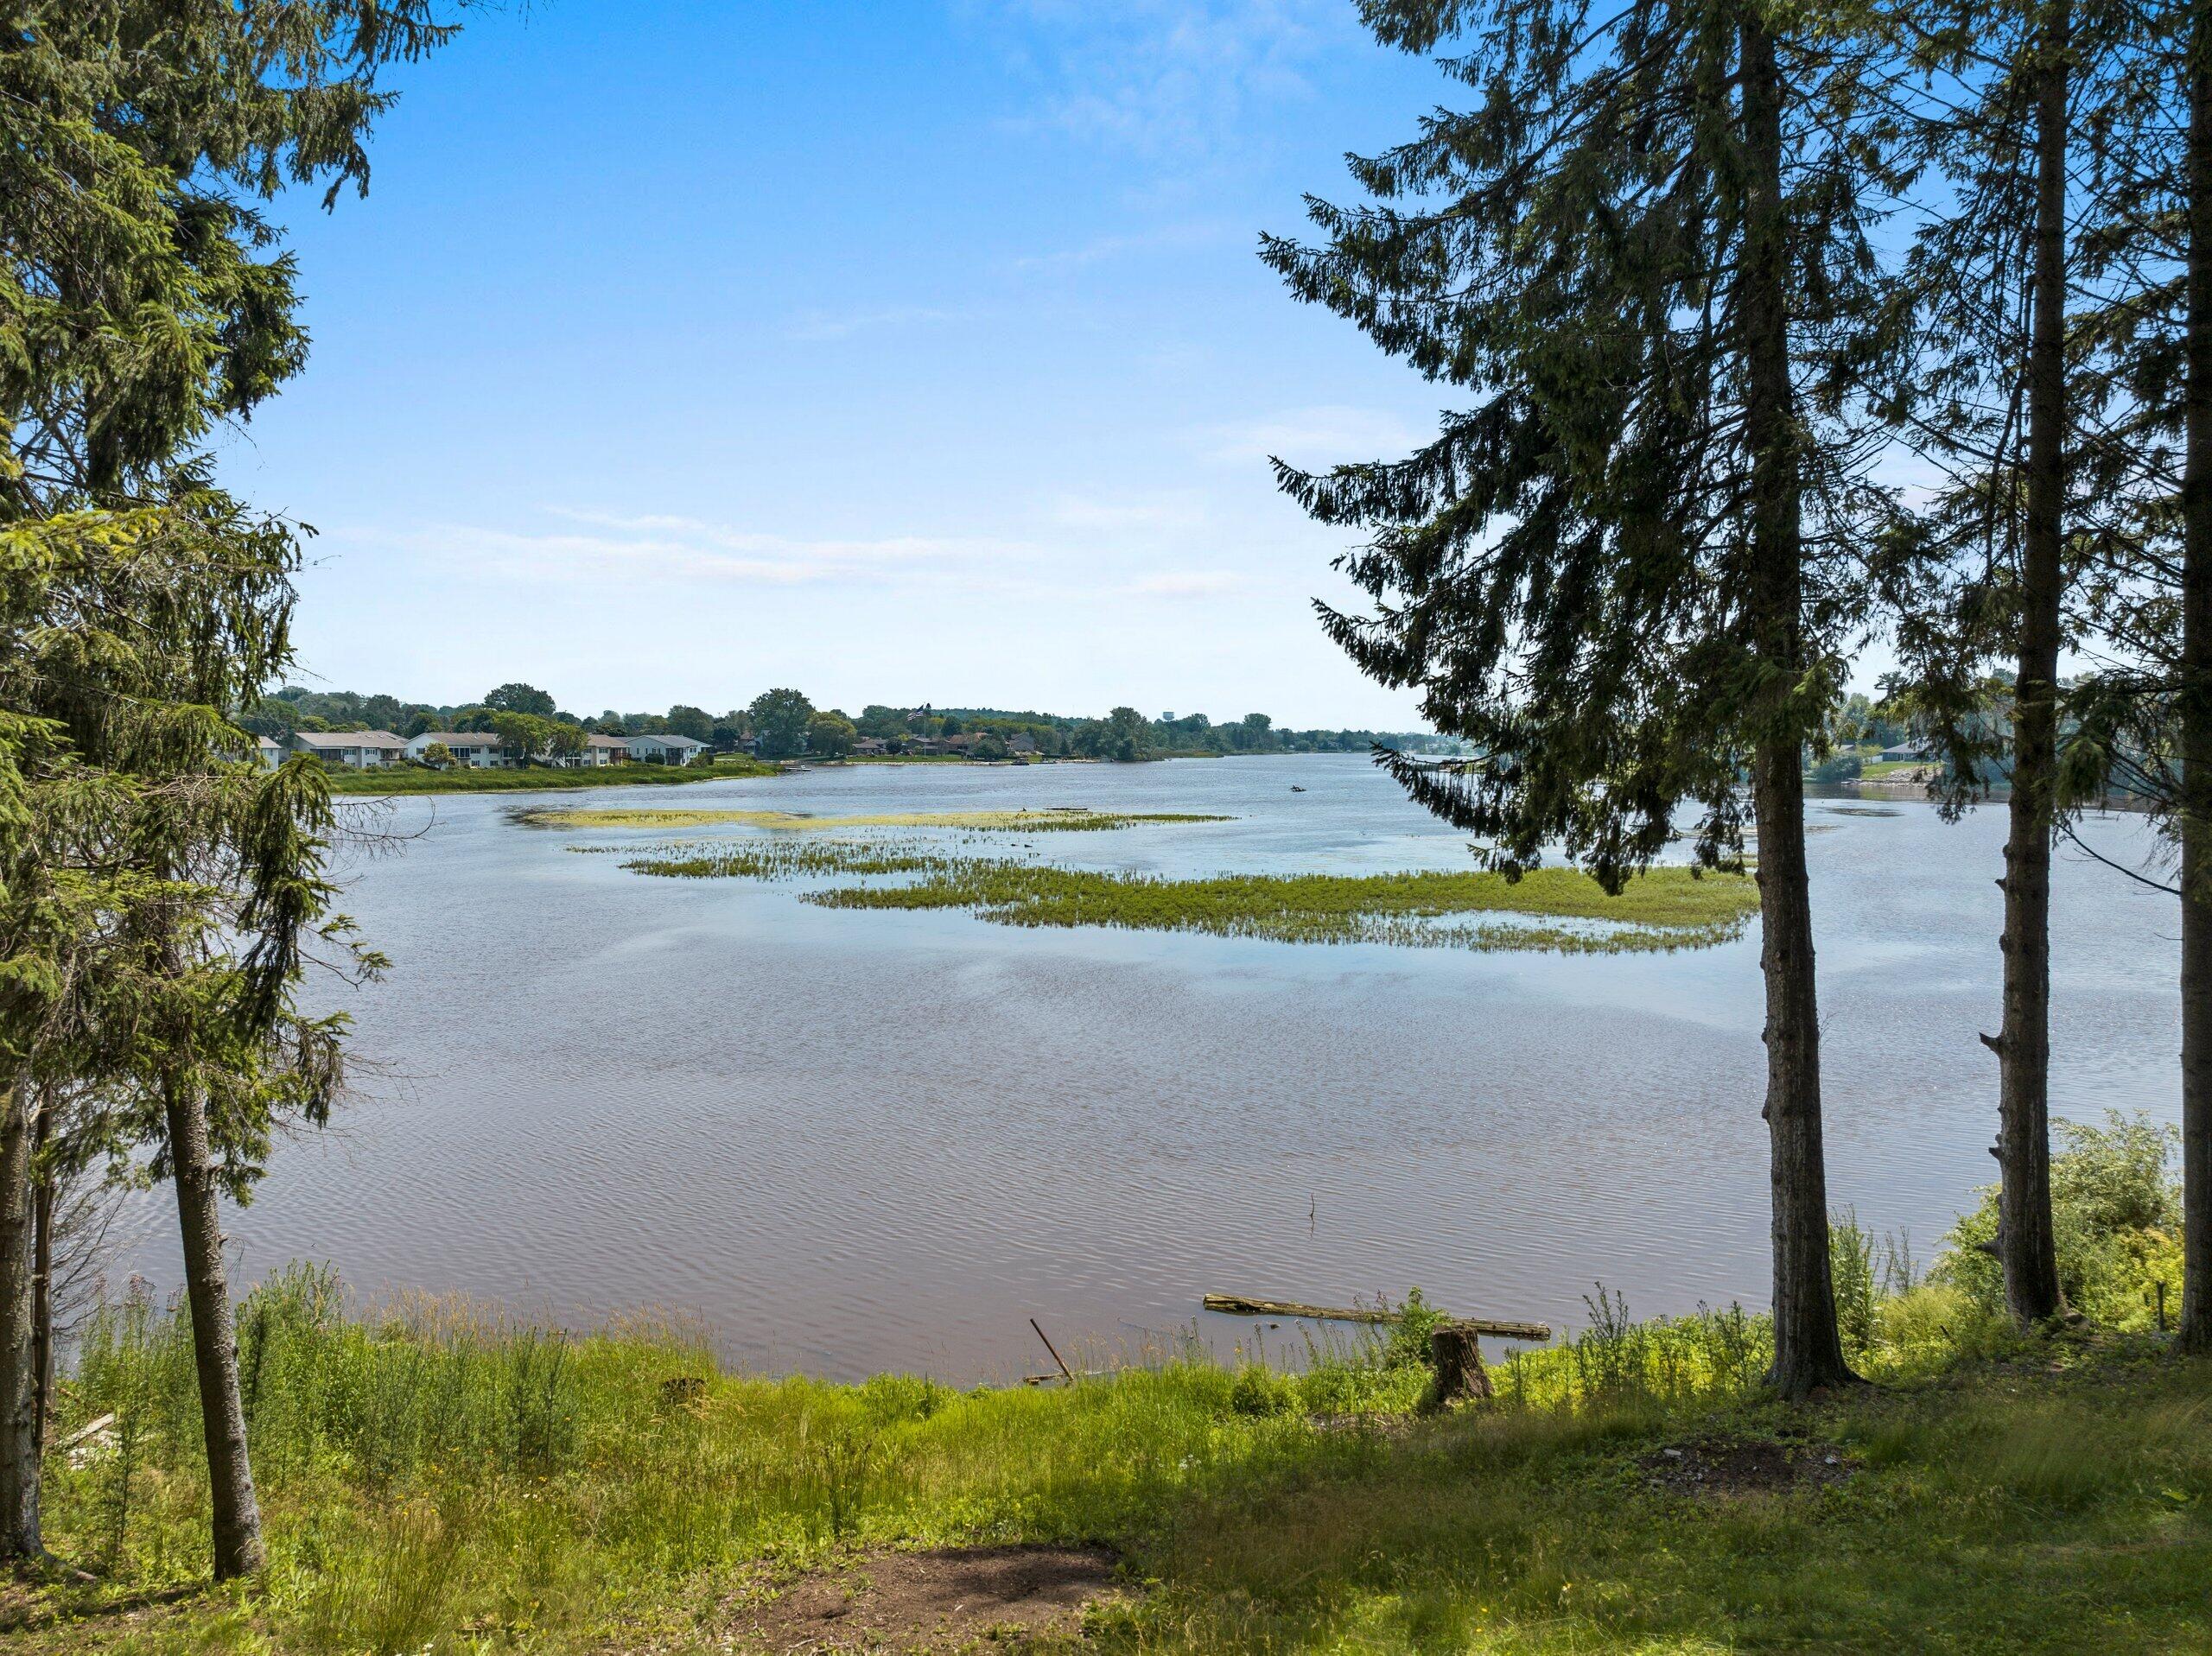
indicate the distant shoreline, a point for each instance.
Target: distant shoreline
{"x":389,"y":780}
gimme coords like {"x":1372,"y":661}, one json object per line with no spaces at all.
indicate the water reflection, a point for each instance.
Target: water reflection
{"x":855,"y":1139}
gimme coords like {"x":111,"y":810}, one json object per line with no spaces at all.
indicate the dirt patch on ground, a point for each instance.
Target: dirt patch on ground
{"x":941,"y":1600}
{"x":1736,"y":1466}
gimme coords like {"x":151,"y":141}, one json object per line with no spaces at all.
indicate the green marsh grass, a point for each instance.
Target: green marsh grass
{"x":779,"y":859}
{"x":1665,"y":909}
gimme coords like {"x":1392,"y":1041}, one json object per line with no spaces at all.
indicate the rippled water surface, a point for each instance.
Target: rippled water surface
{"x":855,"y":1139}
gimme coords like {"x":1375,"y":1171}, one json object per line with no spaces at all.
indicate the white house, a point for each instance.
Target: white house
{"x":358,"y":749}
{"x":269,"y":750}
{"x":478,"y":749}
{"x":603,"y":749}
{"x":664,"y":749}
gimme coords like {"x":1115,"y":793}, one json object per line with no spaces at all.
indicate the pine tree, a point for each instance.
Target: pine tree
{"x":156,"y":890}
{"x":2014,"y":394}
{"x":2144,"y":713}
{"x":1629,"y":573}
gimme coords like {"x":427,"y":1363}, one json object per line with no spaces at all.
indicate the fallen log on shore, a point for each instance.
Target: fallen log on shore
{"x":1241,"y":1305}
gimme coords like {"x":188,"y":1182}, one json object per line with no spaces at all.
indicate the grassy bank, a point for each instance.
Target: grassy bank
{"x":414,"y":779}
{"x":1896,"y":769}
{"x":439,"y":1481}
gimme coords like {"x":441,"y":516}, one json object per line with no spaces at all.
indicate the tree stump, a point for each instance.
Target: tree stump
{"x":1460,"y":1378}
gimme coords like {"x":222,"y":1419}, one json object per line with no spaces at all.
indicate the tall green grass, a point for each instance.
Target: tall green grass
{"x":443,"y":1478}
{"x":440,"y":1478}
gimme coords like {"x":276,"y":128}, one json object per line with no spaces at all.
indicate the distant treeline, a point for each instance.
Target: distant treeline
{"x":784,"y":723}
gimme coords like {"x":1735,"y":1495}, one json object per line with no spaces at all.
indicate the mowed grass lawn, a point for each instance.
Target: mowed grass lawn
{"x":435,"y":1483}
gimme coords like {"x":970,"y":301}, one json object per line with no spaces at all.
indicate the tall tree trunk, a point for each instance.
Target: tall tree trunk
{"x":214,"y":1334}
{"x":2195,"y":1332}
{"x":2024,"y":1243}
{"x":1807,"y":1348}
{"x":42,"y":1287}
{"x":20,"y":1536}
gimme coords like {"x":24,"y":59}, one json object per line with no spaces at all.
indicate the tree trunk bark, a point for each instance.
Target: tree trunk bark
{"x":2195,"y":1333}
{"x":19,"y":1534}
{"x":1808,"y":1349}
{"x":2026,"y":1248}
{"x":1456,"y":1348}
{"x":214,"y":1336}
{"x":42,"y":1290}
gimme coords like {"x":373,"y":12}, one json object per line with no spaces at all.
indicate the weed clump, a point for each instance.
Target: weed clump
{"x":2116,"y":1215}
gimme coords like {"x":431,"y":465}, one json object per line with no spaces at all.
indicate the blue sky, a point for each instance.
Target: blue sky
{"x":894,"y":352}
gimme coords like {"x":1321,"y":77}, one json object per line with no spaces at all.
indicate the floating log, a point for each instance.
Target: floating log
{"x":1460,"y":1377}
{"x":1240,"y":1305}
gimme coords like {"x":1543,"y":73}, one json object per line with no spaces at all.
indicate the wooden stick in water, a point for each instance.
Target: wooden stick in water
{"x":1057,"y":1358}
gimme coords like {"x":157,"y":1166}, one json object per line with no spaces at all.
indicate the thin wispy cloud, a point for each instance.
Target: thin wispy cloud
{"x":1170,"y":80}
{"x":818,"y":327}
{"x":1188,"y":583}
{"x":1315,"y":437}
{"x":1100,"y":250}
{"x":686,"y":549}
{"x":1082,"y":554}
{"x":1180,"y":511}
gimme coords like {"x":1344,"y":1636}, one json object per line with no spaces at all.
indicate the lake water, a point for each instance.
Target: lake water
{"x":854,"y":1140}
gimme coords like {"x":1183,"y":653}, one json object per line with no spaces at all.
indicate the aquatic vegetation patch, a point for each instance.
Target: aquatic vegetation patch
{"x":777,"y":859}
{"x":1071,"y":820}
{"x":1665,"y":909}
{"x":1549,"y":910}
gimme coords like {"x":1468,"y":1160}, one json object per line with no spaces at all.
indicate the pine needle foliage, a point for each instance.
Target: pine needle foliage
{"x":1630,"y":573}
{"x":1563,"y":573}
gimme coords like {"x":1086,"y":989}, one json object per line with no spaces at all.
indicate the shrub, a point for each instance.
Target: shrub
{"x":2114,"y":1209}
{"x":1408,"y":1346}
{"x":1262,"y":1392}
{"x":1837,"y":767}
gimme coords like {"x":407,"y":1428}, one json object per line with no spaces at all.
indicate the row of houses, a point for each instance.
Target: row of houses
{"x":965,"y":742}
{"x":365,"y":750}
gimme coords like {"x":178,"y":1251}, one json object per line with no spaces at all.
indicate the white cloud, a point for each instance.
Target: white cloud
{"x":1081,"y":551}
{"x":1189,"y":583}
{"x":1100,"y":249}
{"x":1166,"y":78}
{"x":686,"y":548}
{"x":1315,"y":437}
{"x":817,"y":327}
{"x":1159,"y":514}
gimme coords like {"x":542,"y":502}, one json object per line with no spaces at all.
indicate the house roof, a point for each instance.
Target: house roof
{"x":346,"y":739}
{"x":669,"y":739}
{"x":597,"y":740}
{"x":459,"y":738}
